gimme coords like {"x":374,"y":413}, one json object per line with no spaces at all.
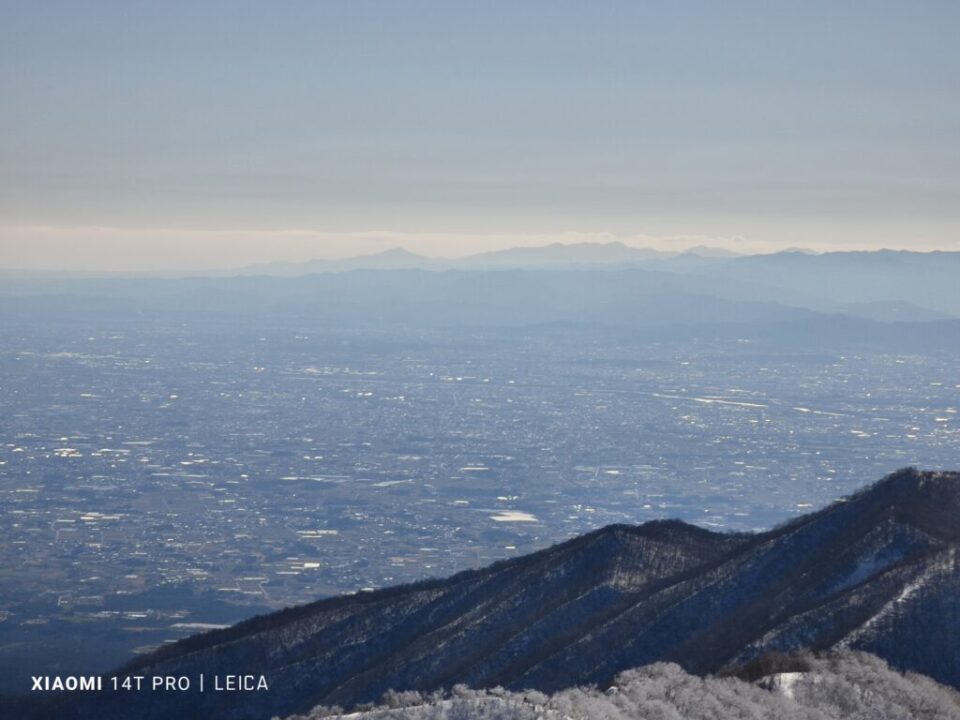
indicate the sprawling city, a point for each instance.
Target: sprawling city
{"x":437,"y":360}
{"x":156,"y":482}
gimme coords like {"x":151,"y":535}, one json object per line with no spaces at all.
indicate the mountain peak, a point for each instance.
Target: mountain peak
{"x":927,"y":500}
{"x":396,"y":252}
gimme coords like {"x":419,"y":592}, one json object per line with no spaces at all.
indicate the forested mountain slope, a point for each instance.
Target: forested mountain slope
{"x":875,"y":572}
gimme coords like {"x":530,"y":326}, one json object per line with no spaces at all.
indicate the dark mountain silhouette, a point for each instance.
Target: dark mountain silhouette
{"x":875,"y":572}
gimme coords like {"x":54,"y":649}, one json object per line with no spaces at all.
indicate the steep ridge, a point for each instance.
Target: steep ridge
{"x":876,"y":571}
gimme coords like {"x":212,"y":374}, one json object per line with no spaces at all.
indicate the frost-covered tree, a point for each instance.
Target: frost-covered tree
{"x":848,"y":686}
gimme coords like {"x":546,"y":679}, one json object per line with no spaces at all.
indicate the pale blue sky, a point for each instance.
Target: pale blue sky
{"x":457,"y":126}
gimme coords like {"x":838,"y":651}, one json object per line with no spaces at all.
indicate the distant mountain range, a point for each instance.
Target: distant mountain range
{"x":879,"y":285}
{"x":612,"y":284}
{"x":877,"y":572}
{"x":556,"y":255}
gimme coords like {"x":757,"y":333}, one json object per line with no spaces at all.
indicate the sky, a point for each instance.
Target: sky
{"x":192,"y":135}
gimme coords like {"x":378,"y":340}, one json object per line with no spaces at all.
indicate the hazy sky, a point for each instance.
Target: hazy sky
{"x":200,"y":134}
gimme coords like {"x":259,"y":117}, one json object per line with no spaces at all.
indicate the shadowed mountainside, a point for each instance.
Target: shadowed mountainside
{"x":876,"y":572}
